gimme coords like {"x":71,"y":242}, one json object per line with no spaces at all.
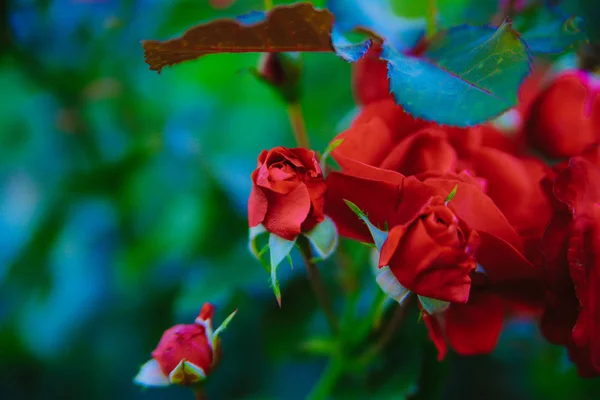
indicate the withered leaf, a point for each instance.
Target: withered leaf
{"x":290,"y":28}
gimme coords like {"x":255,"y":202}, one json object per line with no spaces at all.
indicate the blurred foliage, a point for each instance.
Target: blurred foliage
{"x":123,"y":208}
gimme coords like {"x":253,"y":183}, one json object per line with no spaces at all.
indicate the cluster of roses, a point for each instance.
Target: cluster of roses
{"x":518,"y":237}
{"x":474,"y":222}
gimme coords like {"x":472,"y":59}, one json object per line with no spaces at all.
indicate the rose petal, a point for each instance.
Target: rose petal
{"x":554,"y":249}
{"x":508,"y":182}
{"x":427,"y":150}
{"x":367,"y":143}
{"x":568,"y":105}
{"x":436,"y":334}
{"x":376,"y":198}
{"x":477,"y":210}
{"x":369,"y":78}
{"x":578,"y":185}
{"x":502,"y":262}
{"x":286,"y":213}
{"x":424,"y":267}
{"x":257,"y":206}
{"x":475,"y":327}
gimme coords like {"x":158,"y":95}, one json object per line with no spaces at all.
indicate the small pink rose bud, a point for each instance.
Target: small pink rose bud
{"x":185,"y":354}
{"x":188,"y":343}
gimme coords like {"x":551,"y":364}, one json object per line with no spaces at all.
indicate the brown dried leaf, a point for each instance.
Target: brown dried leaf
{"x":297,"y":27}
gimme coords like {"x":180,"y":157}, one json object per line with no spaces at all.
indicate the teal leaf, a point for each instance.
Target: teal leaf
{"x":150,"y":374}
{"x":279,"y":249}
{"x":377,"y":16}
{"x":324,"y":238}
{"x":554,"y":33}
{"x":347,"y":50}
{"x":389,"y":284}
{"x":433,"y":306}
{"x":379,"y":236}
{"x":467,"y":76}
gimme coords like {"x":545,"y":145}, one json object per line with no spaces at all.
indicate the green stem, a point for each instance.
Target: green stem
{"x":199,"y":393}
{"x":326,"y":383}
{"x":317,"y":284}
{"x":387,"y":333}
{"x":268,"y":5}
{"x":430,"y":19}
{"x":298,"y":125}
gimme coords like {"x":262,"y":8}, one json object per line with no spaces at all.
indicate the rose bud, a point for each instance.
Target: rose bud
{"x":281,"y":71}
{"x":433,"y":254}
{"x":186,"y":354}
{"x":288,"y":191}
{"x":564,"y":120}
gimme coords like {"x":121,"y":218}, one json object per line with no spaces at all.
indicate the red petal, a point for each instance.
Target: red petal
{"x":369,"y":78}
{"x":257,"y":205}
{"x":425,"y":151}
{"x":475,"y":327}
{"x":508,"y":182}
{"x":578,"y":185}
{"x":477,"y":210}
{"x":436,"y":334}
{"x":424,"y":267}
{"x":286,"y":213}
{"x":377,"y":198}
{"x":568,"y":105}
{"x":367,"y":143}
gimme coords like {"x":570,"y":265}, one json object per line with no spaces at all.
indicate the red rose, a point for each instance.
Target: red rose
{"x":288,"y":191}
{"x":432,"y":254}
{"x":385,"y":137}
{"x":564,"y":119}
{"x":388,"y":197}
{"x":571,"y":248}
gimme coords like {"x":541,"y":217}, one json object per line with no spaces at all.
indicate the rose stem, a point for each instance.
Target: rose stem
{"x":430,"y":19}
{"x":388,"y":331}
{"x":297,"y":122}
{"x":317,"y":283}
{"x":200,"y":394}
{"x":268,"y":5}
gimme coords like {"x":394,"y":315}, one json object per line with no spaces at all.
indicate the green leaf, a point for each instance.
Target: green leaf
{"x":332,"y":146}
{"x":452,"y":194}
{"x":324,"y":238}
{"x":378,"y":235}
{"x":253,"y":234}
{"x":433,"y":306}
{"x":467,"y":76}
{"x":279,"y":249}
{"x":222,"y":327}
{"x":320,"y":346}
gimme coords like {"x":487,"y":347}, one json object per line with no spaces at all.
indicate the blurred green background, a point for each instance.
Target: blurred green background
{"x":123,"y":209}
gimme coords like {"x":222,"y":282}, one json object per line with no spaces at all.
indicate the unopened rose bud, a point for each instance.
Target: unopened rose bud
{"x":186,"y":353}
{"x":281,"y":71}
